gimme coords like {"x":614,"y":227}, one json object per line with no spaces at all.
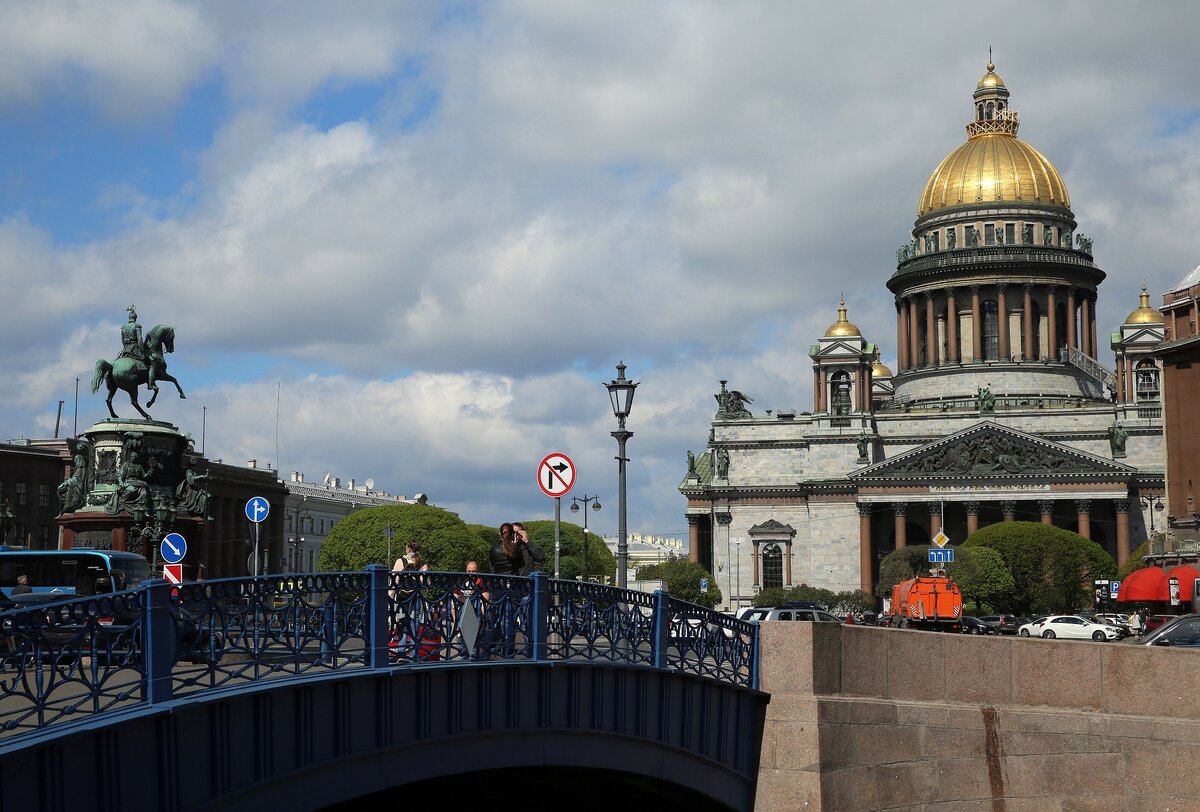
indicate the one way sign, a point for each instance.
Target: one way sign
{"x":555,"y":474}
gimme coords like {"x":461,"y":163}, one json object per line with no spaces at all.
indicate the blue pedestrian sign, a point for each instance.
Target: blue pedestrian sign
{"x":704,"y":585}
{"x":174,"y":548}
{"x":257,"y":509}
{"x":943,"y":555}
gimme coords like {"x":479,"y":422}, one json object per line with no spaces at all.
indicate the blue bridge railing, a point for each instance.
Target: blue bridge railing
{"x":72,"y":660}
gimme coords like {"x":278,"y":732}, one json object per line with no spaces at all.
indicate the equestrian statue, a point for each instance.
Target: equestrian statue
{"x":141,"y":362}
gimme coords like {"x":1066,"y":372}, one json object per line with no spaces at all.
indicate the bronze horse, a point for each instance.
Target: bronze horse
{"x":128,"y":374}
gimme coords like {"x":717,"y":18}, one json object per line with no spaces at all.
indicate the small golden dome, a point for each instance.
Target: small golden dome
{"x":878,"y":370}
{"x":842,"y":327}
{"x":990,"y":79}
{"x":1145,"y":314}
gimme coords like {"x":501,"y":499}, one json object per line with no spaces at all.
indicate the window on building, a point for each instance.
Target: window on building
{"x":44,"y":536}
{"x":989,"y":234}
{"x":933,"y":238}
{"x":21,"y":490}
{"x":322,"y":531}
{"x":289,"y":522}
{"x":922,"y":335}
{"x":1060,"y":327}
{"x":1010,"y":233}
{"x":990,"y":324}
{"x":311,"y":566}
{"x":43,"y":495}
{"x":1147,"y":380}
{"x":310,"y":524}
{"x":772,"y":567}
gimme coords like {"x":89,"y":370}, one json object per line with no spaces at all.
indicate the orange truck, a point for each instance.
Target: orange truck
{"x":927,"y":603}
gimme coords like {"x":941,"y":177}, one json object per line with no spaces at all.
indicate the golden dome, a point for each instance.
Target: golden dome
{"x":1145,"y":314}
{"x":994,"y":165}
{"x":878,"y":370}
{"x":990,"y":79}
{"x":842,"y":327}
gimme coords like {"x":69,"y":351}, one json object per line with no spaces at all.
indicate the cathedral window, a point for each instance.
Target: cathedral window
{"x":990,"y":110}
{"x":991,"y":330}
{"x":1060,"y":327}
{"x":989,"y":234}
{"x":772,"y":567}
{"x":1147,"y":381}
{"x":1010,"y":233}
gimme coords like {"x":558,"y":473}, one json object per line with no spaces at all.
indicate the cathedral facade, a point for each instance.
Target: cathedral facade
{"x":999,"y":409}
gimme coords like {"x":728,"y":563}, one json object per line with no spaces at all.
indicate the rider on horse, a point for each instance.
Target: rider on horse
{"x":133,"y":346}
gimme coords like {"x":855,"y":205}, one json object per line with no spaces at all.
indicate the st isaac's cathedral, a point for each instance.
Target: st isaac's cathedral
{"x":998,"y":410}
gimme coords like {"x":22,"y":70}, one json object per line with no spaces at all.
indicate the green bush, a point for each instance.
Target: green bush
{"x":445,"y":540}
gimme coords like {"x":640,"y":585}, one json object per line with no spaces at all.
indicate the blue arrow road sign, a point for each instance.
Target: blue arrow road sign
{"x":941,"y":556}
{"x":257,"y":509}
{"x":174,"y":548}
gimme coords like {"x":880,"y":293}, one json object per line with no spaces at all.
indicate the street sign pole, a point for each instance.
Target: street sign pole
{"x":557,"y":532}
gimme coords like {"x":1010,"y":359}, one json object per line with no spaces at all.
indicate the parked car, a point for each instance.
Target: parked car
{"x":1002,"y":624}
{"x":1071,"y":627}
{"x":1154,"y":621}
{"x":792,"y":613}
{"x":1120,"y":622}
{"x":1033,"y":628}
{"x":973,"y":625}
{"x":1179,"y":632}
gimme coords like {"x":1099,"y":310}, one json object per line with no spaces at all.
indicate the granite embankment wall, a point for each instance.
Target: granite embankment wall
{"x":864,"y":718}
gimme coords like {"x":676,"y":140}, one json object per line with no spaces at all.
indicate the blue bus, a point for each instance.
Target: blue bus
{"x":72,"y":572}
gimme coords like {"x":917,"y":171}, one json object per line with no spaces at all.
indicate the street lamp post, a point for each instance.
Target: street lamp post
{"x":620,"y":392}
{"x":297,"y":541}
{"x":1153,"y":503}
{"x":388,"y":532}
{"x":575,"y":502}
{"x":737,"y":595}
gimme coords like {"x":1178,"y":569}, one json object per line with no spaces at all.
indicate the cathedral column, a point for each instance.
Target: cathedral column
{"x":935,"y":519}
{"x":976,"y":326}
{"x":869,"y":375}
{"x":1120,"y":379}
{"x":787,"y":566}
{"x":1046,"y":508}
{"x":824,"y":391}
{"x":864,"y":548}
{"x":693,"y":521}
{"x":817,"y":390}
{"x":901,"y":511}
{"x":1009,"y":508}
{"x":1027,"y":351}
{"x":721,"y":542}
{"x":930,"y":332}
{"x":754,"y":543}
{"x":1095,"y":350}
{"x":860,"y":377}
{"x":1083,"y":509}
{"x":953,"y":352}
{"x":1052,"y":323}
{"x":972,"y":508}
{"x":1121,"y":507}
{"x":1071,"y":319}
{"x":1005,"y":351}
{"x":1085,"y":328}
{"x":901,"y":339}
{"x":914,"y":350}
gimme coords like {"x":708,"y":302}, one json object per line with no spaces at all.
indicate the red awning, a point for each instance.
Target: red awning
{"x":1146,"y":584}
{"x":1187,"y":576}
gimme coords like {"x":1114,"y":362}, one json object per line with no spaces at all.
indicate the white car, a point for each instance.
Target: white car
{"x":1069,"y":626}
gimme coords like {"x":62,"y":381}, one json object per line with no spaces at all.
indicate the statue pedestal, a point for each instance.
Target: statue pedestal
{"x":125,"y":488}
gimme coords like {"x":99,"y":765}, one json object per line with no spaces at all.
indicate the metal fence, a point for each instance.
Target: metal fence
{"x":73,"y":660}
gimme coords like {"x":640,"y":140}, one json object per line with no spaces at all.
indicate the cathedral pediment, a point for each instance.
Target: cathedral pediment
{"x":991,"y":451}
{"x":842,"y":347}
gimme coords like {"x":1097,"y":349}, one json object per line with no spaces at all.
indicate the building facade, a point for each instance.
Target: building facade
{"x":313,"y":510}
{"x":998,"y":410}
{"x":1179,"y":355}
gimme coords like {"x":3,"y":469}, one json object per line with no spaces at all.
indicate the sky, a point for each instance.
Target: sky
{"x":409,"y":241}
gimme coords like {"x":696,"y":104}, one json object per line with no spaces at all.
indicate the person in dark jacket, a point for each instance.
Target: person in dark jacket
{"x":500,"y":619}
{"x":529,"y":552}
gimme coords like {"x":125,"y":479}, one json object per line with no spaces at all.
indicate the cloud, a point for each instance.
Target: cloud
{"x":435,"y":296}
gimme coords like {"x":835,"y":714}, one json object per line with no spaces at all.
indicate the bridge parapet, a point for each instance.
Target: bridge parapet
{"x":70,"y":662}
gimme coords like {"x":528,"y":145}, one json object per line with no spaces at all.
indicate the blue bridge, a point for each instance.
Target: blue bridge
{"x":313,"y":691}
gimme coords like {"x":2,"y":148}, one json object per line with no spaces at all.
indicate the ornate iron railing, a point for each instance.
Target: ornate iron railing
{"x":72,"y":660}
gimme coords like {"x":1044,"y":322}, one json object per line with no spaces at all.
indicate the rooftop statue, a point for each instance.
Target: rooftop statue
{"x":141,"y":362}
{"x":731,"y":404}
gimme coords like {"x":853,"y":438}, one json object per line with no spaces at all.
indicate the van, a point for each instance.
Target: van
{"x":811,"y":615}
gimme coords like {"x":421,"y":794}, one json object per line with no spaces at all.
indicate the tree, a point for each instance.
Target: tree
{"x":682,"y":580}
{"x":601,"y":562}
{"x":445,"y":540}
{"x":981,"y":575}
{"x":900,"y":565}
{"x":1051,"y":568}
{"x":1137,"y":559}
